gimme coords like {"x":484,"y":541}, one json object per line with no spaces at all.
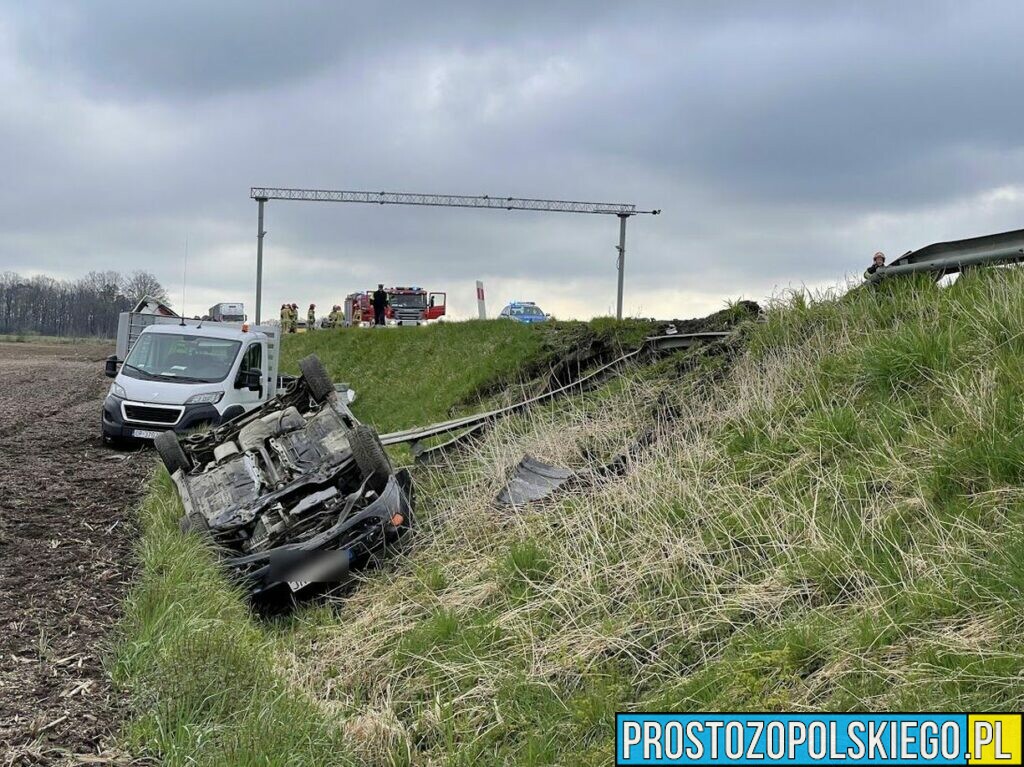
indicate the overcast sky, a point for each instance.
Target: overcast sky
{"x":785,"y":142}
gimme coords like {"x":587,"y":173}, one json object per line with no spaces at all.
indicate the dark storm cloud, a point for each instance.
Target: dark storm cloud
{"x":783,"y":140}
{"x":201,"y":48}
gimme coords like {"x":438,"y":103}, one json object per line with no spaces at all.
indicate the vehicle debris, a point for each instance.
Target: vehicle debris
{"x":531,"y":481}
{"x":295,"y":494}
{"x":534,"y":480}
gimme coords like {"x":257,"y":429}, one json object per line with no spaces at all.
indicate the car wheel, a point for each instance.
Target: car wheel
{"x":169,"y":448}
{"x":317,"y":380}
{"x":370,"y":457}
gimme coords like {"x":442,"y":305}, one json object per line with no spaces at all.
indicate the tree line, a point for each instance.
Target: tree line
{"x":85,"y":307}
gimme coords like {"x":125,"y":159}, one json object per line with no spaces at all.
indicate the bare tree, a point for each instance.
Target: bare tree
{"x":87,"y":307}
{"x":139,"y":284}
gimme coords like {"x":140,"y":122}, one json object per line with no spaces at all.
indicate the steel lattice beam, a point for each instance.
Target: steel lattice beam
{"x":445,"y":200}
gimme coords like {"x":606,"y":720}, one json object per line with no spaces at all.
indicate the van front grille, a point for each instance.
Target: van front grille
{"x":147,"y":414}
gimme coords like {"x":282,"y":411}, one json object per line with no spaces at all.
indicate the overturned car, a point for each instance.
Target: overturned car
{"x":296,"y":495}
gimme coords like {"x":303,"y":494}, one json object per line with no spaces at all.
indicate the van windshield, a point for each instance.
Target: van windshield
{"x":181,"y":358}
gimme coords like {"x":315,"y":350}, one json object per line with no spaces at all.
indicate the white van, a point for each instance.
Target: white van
{"x":184,"y":375}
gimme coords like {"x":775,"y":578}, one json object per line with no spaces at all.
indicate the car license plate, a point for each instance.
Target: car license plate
{"x":296,"y":585}
{"x":145,"y":434}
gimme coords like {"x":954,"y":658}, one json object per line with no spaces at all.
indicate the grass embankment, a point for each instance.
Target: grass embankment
{"x":830,"y":519}
{"x":202,"y":673}
{"x":835,"y":523}
{"x":407,"y":377}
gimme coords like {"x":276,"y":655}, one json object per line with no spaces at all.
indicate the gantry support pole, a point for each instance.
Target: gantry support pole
{"x":622,"y":263}
{"x":259,"y":258}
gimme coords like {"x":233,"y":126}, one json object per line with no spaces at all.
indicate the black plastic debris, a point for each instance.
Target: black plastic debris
{"x":531,"y":481}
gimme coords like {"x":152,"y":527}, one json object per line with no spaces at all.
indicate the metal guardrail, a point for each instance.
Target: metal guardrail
{"x":662,"y":343}
{"x":944,"y":258}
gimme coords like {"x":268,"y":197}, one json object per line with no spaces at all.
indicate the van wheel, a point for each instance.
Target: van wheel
{"x":169,"y":448}
{"x":370,"y":457}
{"x":317,"y":380}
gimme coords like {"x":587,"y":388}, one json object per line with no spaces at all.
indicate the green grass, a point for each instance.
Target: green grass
{"x":832,"y":520}
{"x":30,"y":337}
{"x":201,"y":673}
{"x":410,"y":376}
{"x":406,"y":377}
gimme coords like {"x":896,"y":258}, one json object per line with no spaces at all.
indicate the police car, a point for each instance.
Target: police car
{"x":523,"y":311}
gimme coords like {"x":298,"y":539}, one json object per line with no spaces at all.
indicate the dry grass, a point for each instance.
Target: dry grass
{"x":832,"y":526}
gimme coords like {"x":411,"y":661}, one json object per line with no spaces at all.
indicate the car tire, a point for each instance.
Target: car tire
{"x":370,"y":457}
{"x":169,"y":448}
{"x":317,"y":380}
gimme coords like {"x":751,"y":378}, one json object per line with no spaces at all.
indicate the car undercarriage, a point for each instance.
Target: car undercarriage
{"x":296,"y":495}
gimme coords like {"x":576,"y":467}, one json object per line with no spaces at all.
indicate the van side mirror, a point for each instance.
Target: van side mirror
{"x":249,"y":379}
{"x":110,"y":368}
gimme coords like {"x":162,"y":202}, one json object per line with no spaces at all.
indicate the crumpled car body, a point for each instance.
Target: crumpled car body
{"x":296,"y":495}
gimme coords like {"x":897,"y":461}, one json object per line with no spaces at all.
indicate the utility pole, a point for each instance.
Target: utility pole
{"x":622,"y":263}
{"x":259,"y":258}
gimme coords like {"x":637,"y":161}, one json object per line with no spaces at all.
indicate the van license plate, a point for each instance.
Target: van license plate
{"x":145,"y":434}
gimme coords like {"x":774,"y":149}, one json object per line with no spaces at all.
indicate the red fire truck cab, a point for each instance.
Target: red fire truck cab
{"x":408,"y":306}
{"x":414,"y":306}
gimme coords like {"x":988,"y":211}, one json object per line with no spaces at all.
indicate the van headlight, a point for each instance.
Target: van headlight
{"x":116,"y":390}
{"x":210,"y":398}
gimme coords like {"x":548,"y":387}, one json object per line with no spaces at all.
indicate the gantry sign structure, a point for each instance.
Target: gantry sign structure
{"x":263,"y":194}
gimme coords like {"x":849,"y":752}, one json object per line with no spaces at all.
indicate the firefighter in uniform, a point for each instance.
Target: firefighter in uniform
{"x":380,"y":305}
{"x":311,"y":318}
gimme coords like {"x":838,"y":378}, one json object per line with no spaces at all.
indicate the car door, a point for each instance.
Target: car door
{"x":251,"y":360}
{"x":436,"y":305}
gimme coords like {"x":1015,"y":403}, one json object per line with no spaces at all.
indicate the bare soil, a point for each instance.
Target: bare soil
{"x":67,"y":535}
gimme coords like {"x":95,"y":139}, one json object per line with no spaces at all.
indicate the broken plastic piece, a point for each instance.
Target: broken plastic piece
{"x":531,"y":481}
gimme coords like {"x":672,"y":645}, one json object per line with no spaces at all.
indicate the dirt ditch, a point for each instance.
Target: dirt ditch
{"x":67,"y":531}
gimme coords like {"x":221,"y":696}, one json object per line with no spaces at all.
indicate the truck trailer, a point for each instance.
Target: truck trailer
{"x":227,"y":312}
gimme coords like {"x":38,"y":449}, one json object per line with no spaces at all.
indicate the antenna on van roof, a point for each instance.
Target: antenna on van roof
{"x":184,"y":280}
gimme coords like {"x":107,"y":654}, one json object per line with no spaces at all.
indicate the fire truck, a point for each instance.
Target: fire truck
{"x":408,"y":306}
{"x":414,"y":306}
{"x":358,"y":309}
